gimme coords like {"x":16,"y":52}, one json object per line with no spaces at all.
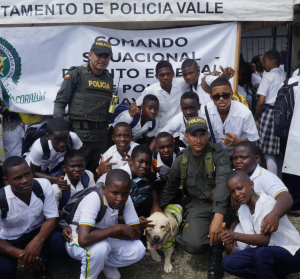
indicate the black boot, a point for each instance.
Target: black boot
{"x":215,"y":270}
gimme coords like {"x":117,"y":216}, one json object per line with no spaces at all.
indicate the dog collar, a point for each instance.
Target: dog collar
{"x":169,"y":244}
{"x":175,"y":212}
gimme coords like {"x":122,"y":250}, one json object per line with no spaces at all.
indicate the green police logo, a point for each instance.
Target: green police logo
{"x":10,"y":65}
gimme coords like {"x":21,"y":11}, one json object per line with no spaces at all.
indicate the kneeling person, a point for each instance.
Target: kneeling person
{"x":27,"y":229}
{"x":106,"y":245}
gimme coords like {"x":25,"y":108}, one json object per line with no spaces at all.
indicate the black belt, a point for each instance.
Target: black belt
{"x":87,"y":125}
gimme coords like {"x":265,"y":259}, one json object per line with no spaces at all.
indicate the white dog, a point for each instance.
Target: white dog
{"x":163,"y":235}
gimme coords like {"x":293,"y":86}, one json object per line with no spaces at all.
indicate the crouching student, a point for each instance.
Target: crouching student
{"x":146,"y":126}
{"x":47,"y":164}
{"x":117,"y":155}
{"x":246,"y":157}
{"x":163,"y":159}
{"x":77,"y":177}
{"x":106,"y":245}
{"x":269,"y":255}
{"x":139,"y":166}
{"x":28,"y":221}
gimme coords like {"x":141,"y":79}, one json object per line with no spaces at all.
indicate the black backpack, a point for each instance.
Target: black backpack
{"x":284,"y":109}
{"x":37,"y":130}
{"x":139,"y":191}
{"x":36,"y":189}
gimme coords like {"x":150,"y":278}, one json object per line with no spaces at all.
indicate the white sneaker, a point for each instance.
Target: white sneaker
{"x":111,"y":272}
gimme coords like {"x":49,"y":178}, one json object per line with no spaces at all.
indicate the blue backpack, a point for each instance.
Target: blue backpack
{"x":122,"y":107}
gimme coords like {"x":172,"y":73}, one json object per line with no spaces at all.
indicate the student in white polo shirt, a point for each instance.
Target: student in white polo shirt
{"x":147,"y":126}
{"x":168,"y":91}
{"x":106,"y":245}
{"x":59,"y":139}
{"x":189,"y":104}
{"x":246,"y":157}
{"x":231,"y":121}
{"x":28,"y":221}
{"x":117,"y":155}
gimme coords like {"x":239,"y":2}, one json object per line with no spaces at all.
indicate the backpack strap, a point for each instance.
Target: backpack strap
{"x":103,"y":207}
{"x":66,"y":194}
{"x":71,"y":143}
{"x":209,"y":166}
{"x":85,"y":180}
{"x":135,"y":120}
{"x":183,"y":171}
{"x":3,"y":203}
{"x":209,"y":124}
{"x":37,"y":190}
{"x":45,"y":147}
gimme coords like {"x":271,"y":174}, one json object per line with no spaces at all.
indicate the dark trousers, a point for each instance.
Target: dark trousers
{"x":53,"y":246}
{"x":294,"y":188}
{"x":262,"y":263}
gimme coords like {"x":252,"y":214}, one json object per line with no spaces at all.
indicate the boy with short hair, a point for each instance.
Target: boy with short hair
{"x":77,"y":177}
{"x":146,"y":128}
{"x":190,"y":106}
{"x":269,"y":255}
{"x":117,"y":155}
{"x":231,"y":121}
{"x":106,"y":245}
{"x":27,"y":226}
{"x":59,"y":139}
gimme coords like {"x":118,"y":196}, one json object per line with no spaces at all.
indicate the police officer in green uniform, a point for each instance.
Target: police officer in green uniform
{"x":87,"y":90}
{"x":200,"y":173}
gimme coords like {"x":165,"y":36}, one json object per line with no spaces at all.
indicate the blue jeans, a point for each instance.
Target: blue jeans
{"x":262,"y":262}
{"x":53,"y":246}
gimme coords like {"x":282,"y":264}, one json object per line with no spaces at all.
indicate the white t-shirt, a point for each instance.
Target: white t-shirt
{"x":12,"y":142}
{"x":35,"y":154}
{"x":169,"y":104}
{"x":137,"y":131}
{"x":256,"y":79}
{"x":22,"y":218}
{"x":125,"y":168}
{"x":163,"y":169}
{"x":270,"y":84}
{"x":286,"y":236}
{"x":267,"y":182}
{"x":73,"y":190}
{"x":117,"y":158}
{"x":239,"y":121}
{"x":89,"y":207}
{"x":295,"y":73}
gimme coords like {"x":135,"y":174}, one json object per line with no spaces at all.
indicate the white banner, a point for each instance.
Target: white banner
{"x":78,"y":11}
{"x":35,"y":60}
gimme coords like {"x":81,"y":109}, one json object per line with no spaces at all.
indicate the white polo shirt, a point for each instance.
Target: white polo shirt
{"x":125,"y":168}
{"x":169,"y":104}
{"x":295,"y":73}
{"x":286,"y":236}
{"x":117,"y":158}
{"x":137,"y":131}
{"x":270,"y":84}
{"x":256,"y":79}
{"x":35,"y":154}
{"x":22,"y":218}
{"x":73,"y":190}
{"x":89,"y":207}
{"x":163,"y":168}
{"x":239,"y":121}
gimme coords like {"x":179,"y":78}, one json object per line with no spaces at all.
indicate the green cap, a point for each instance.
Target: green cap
{"x":195,"y":123}
{"x":99,"y":47}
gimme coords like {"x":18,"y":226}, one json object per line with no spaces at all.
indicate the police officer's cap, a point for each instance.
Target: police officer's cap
{"x":99,"y":47}
{"x":194,"y":124}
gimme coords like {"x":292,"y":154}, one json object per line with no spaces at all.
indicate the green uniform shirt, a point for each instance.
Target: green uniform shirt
{"x":197,"y":182}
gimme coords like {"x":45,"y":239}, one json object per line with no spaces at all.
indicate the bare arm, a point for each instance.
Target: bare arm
{"x":8,"y":250}
{"x":253,"y":239}
{"x":37,"y":172}
{"x":259,"y":107}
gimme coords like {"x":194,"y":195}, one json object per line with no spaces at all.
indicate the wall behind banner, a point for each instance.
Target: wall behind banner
{"x":35,"y":60}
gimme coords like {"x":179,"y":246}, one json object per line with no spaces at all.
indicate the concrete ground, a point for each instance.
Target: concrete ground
{"x":185,"y":266}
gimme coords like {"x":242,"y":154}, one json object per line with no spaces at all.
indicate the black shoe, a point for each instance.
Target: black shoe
{"x":215,"y":270}
{"x":42,"y":274}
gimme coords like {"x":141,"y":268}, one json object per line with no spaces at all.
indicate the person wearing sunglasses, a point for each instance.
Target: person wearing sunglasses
{"x":271,"y":82}
{"x":230,"y":122}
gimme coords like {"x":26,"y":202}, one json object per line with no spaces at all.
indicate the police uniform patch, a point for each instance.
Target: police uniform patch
{"x":67,"y":76}
{"x":225,"y":160}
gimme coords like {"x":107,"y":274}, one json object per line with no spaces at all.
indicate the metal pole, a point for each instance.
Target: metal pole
{"x":274,"y":34}
{"x":289,"y":45}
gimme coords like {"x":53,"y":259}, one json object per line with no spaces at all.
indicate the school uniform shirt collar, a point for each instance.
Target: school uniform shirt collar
{"x":115,"y":150}
{"x":232,"y":110}
{"x":174,"y":84}
{"x":275,"y":70}
{"x":256,"y":173}
{"x":160,"y":162}
{"x":71,"y":185}
{"x":112,"y":210}
{"x":51,"y":146}
{"x":9,"y":193}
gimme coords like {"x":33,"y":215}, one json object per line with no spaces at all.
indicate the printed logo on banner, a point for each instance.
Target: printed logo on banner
{"x":10,"y":68}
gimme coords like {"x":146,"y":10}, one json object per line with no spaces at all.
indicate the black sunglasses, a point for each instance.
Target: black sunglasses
{"x":217,"y":97}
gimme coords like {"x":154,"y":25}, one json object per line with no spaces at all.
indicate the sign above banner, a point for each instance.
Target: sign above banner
{"x":78,"y":11}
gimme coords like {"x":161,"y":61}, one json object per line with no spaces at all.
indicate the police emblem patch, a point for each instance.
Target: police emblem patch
{"x":10,"y":67}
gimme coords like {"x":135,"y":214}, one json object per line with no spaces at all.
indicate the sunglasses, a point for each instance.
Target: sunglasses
{"x":217,"y":97}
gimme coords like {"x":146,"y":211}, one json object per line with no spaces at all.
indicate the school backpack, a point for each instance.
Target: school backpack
{"x":284,"y":109}
{"x":66,"y":194}
{"x":37,"y":130}
{"x":70,"y":208}
{"x":122,"y":107}
{"x":36,"y":189}
{"x":139,"y":191}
